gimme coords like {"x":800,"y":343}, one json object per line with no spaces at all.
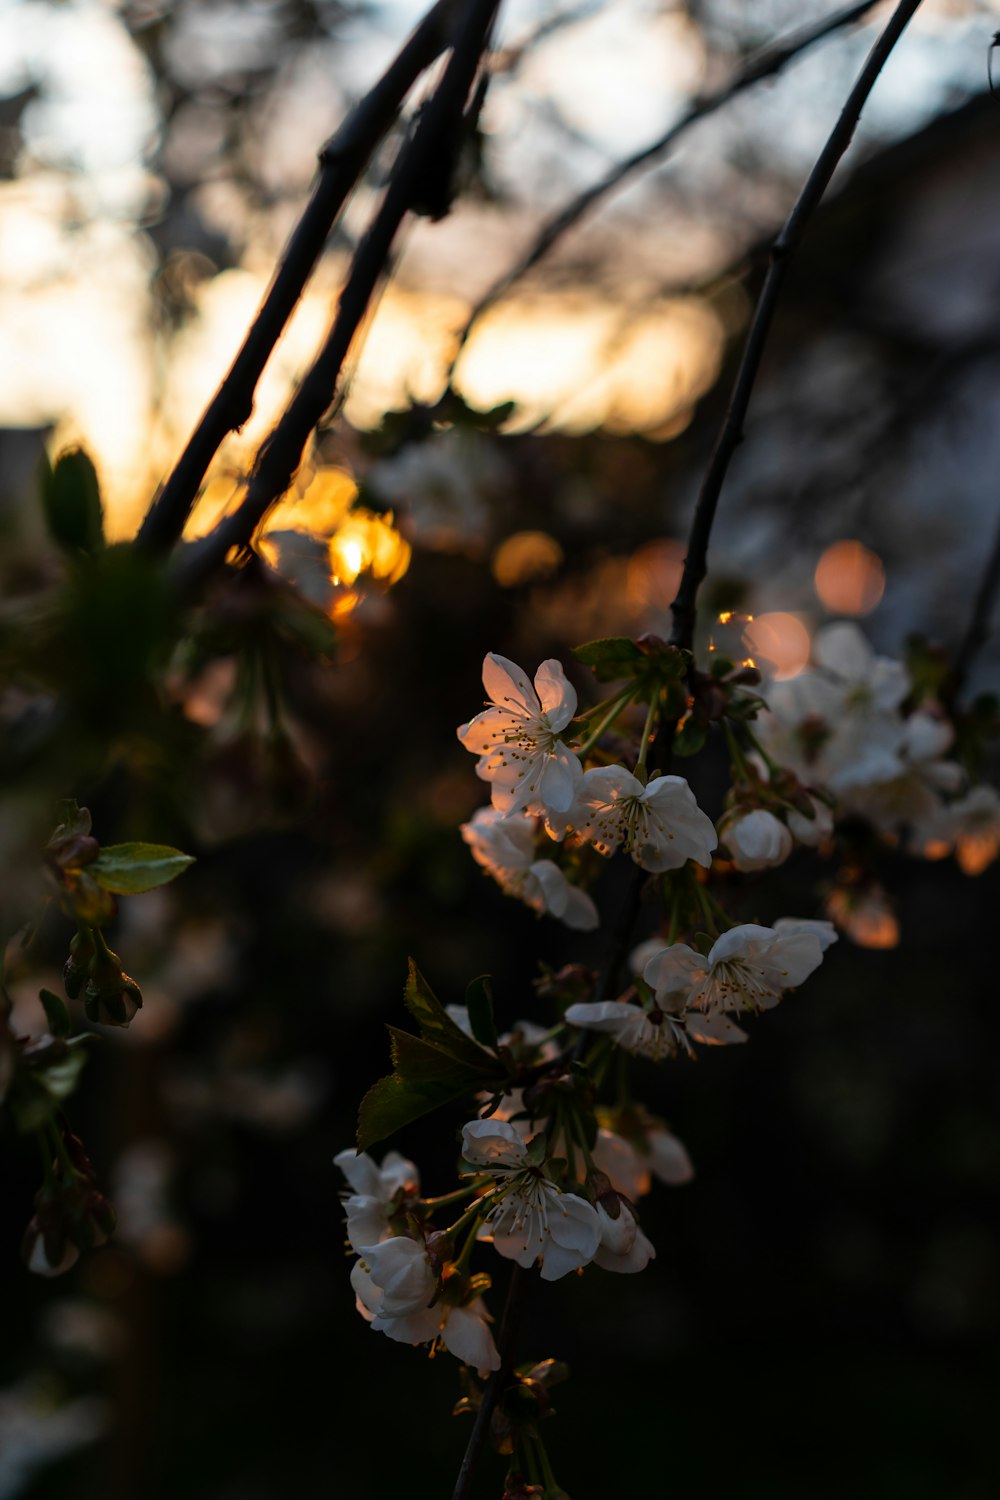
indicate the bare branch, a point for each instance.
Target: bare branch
{"x":765,"y":65}
{"x":342,"y":161}
{"x":731,"y":432}
{"x":420,"y":173}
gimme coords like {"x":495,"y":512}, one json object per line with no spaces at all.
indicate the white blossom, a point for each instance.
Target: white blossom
{"x":757,"y":840}
{"x":505,"y":846}
{"x":660,"y":825}
{"x":657,"y":1033}
{"x":623,"y":1248}
{"x":530,"y":1218}
{"x":444,"y":486}
{"x":462,"y":1330}
{"x":630,"y":1163}
{"x":376,"y":1191}
{"x":838,"y":725}
{"x":748,"y":968}
{"x":622,"y":1164}
{"x":811,"y":831}
{"x":401,"y":1271}
{"x":668,"y":1157}
{"x":972,"y":825}
{"x":518,"y":739}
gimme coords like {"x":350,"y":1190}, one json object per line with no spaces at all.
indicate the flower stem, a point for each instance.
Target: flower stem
{"x":59,"y":1146}
{"x":456,"y":1197}
{"x":617,"y":704}
{"x":647,"y":734}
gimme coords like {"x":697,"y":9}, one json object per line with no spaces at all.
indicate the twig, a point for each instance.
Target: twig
{"x":496,"y":1384}
{"x":977,"y":632}
{"x":342,"y":160}
{"x":766,"y":65}
{"x":418,"y":172}
{"x":731,"y":432}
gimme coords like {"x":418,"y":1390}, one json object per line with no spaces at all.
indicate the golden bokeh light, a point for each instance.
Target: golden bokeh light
{"x":654,"y":575}
{"x":367,"y":543}
{"x":865,"y":916}
{"x":525,"y":557}
{"x":779,"y":640}
{"x":577,"y":362}
{"x":975,"y":849}
{"x":849,"y":579}
{"x":319,"y":506}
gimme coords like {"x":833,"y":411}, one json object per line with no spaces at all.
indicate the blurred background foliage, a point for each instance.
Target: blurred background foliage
{"x":824,"y":1308}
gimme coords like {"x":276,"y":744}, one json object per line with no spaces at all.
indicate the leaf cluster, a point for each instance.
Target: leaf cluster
{"x":436,"y":1067}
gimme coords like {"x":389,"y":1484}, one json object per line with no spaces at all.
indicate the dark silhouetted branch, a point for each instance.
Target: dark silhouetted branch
{"x":731,"y":432}
{"x":419,"y":179}
{"x":342,"y":161}
{"x":766,"y":65}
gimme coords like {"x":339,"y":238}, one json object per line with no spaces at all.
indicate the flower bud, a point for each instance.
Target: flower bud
{"x":110,"y":997}
{"x":82,"y":952}
{"x":758,"y":840}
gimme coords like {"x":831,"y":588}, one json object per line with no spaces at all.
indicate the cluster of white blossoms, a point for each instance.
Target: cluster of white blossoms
{"x":397,"y":1289}
{"x":540,"y":792}
{"x":694,"y":997}
{"x":408,"y":1286}
{"x":846,"y":728}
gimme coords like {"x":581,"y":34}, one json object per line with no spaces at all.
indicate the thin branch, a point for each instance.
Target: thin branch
{"x":977,"y":632}
{"x":731,"y":432}
{"x":342,"y":161}
{"x":496,"y":1384}
{"x":766,"y":65}
{"x":419,"y":175}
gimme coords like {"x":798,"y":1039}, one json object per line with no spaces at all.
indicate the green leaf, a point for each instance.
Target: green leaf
{"x":423,"y":1079}
{"x":479,"y":1002}
{"x":690,"y":739}
{"x":612,"y":657}
{"x":437,"y":1027}
{"x":56,"y":1013}
{"x":129,"y":869}
{"x":71,"y":499}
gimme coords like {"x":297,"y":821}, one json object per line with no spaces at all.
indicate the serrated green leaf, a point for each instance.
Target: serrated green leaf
{"x":56,"y":1013}
{"x":690,"y":739}
{"x":423,"y":1079}
{"x":611,"y":657}
{"x":129,"y":869}
{"x":437,"y":1027}
{"x":479,"y":1003}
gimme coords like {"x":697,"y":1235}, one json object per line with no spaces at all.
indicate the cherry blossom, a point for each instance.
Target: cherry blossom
{"x":530,"y":1218}
{"x":505,"y":846}
{"x":406,"y":1281}
{"x":658,"y":1032}
{"x":623,"y":1248}
{"x":973,"y":825}
{"x":757,"y":840}
{"x":518,"y":739}
{"x":378,"y":1192}
{"x":660,"y":825}
{"x":748,"y":968}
